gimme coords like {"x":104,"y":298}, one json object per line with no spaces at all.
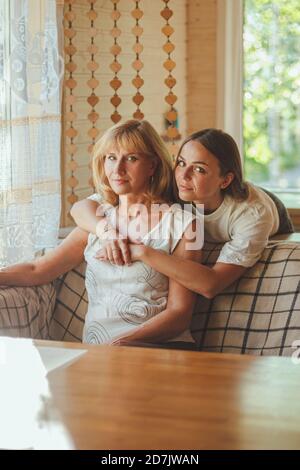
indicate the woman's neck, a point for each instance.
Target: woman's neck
{"x":126,"y":201}
{"x":211,"y":205}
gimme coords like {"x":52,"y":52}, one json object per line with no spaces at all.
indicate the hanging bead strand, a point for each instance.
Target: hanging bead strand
{"x":115,"y":66}
{"x":92,"y":83}
{"x":137,"y":65}
{"x":170,"y":81}
{"x":70,"y":84}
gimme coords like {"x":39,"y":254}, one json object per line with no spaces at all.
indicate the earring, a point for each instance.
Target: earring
{"x":151,"y":180}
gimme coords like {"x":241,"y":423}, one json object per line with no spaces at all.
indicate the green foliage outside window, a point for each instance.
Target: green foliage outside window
{"x":272,"y":91}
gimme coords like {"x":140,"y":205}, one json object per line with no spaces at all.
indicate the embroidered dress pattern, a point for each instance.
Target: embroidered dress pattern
{"x":123,"y":297}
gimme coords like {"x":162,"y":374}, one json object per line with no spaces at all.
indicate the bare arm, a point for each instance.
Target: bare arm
{"x":178,"y":313}
{"x":84,"y":215}
{"x":48,"y":267}
{"x":204,"y":280}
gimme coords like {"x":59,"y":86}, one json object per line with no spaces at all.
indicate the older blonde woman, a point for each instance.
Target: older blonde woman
{"x":127,"y":303}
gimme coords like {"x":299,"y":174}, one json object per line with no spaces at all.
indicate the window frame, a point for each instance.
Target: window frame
{"x":230,"y":21}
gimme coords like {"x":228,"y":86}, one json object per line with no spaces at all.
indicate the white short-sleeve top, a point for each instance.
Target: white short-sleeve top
{"x":245,"y":227}
{"x":123,"y":297}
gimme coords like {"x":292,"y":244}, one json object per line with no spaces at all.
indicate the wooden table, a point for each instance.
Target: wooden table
{"x":140,"y":398}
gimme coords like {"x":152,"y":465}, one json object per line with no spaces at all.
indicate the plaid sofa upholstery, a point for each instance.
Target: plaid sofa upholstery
{"x":71,"y":306}
{"x":259,"y":314}
{"x":26,"y":311}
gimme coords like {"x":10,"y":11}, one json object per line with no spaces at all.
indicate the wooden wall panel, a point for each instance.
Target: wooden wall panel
{"x":153,"y":73}
{"x":201,"y":64}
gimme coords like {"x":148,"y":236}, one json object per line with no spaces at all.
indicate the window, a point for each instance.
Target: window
{"x":271,"y":104}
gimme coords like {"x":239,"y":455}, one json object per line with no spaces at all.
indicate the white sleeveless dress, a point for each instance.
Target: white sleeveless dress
{"x":123,"y":297}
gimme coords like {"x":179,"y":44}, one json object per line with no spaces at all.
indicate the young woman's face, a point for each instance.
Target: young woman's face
{"x":128,"y":172}
{"x":198,"y":176}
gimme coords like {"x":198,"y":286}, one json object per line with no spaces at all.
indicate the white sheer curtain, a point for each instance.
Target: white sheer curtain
{"x":230,"y":68}
{"x":30,"y":128}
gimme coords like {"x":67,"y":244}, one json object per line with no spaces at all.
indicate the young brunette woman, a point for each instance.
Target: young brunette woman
{"x":207,"y":171}
{"x":127,"y":304}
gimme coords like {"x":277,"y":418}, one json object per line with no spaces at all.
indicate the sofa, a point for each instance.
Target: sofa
{"x":259,"y":314}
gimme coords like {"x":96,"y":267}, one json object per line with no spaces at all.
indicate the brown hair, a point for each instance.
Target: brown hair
{"x":225,"y":149}
{"x":137,"y":136}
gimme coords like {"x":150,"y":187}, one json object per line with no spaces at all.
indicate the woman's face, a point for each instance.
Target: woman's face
{"x":198,"y":176}
{"x":128,"y":172}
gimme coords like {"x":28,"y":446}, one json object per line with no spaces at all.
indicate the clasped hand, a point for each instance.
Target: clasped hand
{"x":120,"y":251}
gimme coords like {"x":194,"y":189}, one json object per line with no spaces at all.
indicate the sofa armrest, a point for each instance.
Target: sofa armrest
{"x":26,"y":312}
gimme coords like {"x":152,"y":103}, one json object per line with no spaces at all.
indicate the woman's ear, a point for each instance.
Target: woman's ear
{"x":228,"y":178}
{"x":153,"y":165}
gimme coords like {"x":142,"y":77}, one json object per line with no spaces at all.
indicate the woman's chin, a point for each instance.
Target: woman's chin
{"x":119,"y":190}
{"x":185,"y":196}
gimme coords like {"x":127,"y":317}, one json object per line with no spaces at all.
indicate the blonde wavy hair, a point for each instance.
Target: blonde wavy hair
{"x":139,"y":137}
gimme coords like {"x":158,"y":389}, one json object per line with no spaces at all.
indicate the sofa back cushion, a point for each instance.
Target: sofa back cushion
{"x":259,"y":314}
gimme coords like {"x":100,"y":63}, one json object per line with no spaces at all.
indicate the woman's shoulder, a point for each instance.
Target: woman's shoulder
{"x":249,"y":213}
{"x":96,"y":197}
{"x":256,"y":203}
{"x":234,"y":217}
{"x":257,"y":196}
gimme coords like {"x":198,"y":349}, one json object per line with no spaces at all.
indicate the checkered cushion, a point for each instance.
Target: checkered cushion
{"x":259,"y":314}
{"x":71,"y":306}
{"x":26,"y":311}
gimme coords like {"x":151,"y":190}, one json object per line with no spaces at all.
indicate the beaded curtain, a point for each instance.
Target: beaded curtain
{"x":94,"y":66}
